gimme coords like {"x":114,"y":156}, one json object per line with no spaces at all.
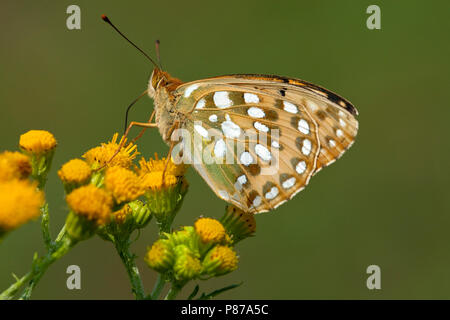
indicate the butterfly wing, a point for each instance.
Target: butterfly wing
{"x":256,"y":140}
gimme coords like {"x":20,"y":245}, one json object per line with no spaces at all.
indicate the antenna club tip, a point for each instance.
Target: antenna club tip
{"x":157,"y":41}
{"x":105,"y":18}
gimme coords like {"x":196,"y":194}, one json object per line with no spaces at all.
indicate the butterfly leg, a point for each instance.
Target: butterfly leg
{"x":144,"y":125}
{"x":144,"y":129}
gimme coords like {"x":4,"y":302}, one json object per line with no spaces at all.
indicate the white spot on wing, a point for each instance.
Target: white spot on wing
{"x":257,"y":201}
{"x":222,"y":99}
{"x":342,"y":122}
{"x":242,"y":179}
{"x":332,"y":143}
{"x":251,"y":98}
{"x":230,"y":129}
{"x":306,"y":149}
{"x":224,"y":194}
{"x":246,"y":158}
{"x":256,"y":112}
{"x":272,"y":193}
{"x":311,"y":105}
{"x":189,"y":90}
{"x":220,"y":148}
{"x":339,"y":133}
{"x":300,"y":167}
{"x":263,"y":152}
{"x":213,"y":118}
{"x":289,"y":107}
{"x":261,"y":127}
{"x":303,"y":126}
{"x":288,"y":183}
{"x":275,"y":144}
{"x":200,"y":104}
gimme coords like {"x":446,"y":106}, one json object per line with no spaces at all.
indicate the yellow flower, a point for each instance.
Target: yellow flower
{"x":124,"y":185}
{"x":210,"y":230}
{"x":14,"y":165}
{"x":75,"y":171}
{"x":121,"y":215}
{"x":238,"y":223}
{"x":99,"y":156}
{"x":158,"y":165}
{"x":154,"y":180}
{"x":160,"y":256}
{"x":20,"y":202}
{"x":92,"y":203}
{"x":220,"y":260}
{"x":37,"y":141}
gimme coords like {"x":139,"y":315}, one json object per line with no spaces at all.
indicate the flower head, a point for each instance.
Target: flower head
{"x":20,"y":202}
{"x":160,"y":256}
{"x":99,"y":156}
{"x":92,"y":203}
{"x":158,"y":165}
{"x":154,"y":180}
{"x":37,"y":141}
{"x":210,"y":230}
{"x":123,"y":183}
{"x":75,"y":171}
{"x":14,"y":165}
{"x":220,"y":260}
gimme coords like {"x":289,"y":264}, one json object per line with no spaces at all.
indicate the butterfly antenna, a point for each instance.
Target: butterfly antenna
{"x":106,"y":19}
{"x":129,"y":108}
{"x":158,"y":56}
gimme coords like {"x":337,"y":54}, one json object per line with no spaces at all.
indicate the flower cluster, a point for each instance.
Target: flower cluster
{"x":110,"y":196}
{"x":201,"y":251}
{"x":104,"y":190}
{"x":20,"y":197}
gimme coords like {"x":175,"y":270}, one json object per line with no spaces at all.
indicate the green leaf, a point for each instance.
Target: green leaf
{"x":194,"y":292}
{"x":219,"y":291}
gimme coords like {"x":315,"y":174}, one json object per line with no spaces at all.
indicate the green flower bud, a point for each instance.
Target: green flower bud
{"x":238,"y":223}
{"x":187,"y":264}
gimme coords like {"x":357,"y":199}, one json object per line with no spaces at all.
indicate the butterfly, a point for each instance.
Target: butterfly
{"x":297,"y":129}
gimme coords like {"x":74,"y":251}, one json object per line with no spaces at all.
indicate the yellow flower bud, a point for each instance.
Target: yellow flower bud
{"x":37,"y":141}
{"x":220,"y":260}
{"x":14,"y":165}
{"x":210,"y":230}
{"x":74,"y":173}
{"x":123,"y":184}
{"x":91,"y":207}
{"x":20,"y":201}
{"x":160,"y":256}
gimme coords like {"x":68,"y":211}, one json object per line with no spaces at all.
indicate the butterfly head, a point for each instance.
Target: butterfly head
{"x":160,"y":79}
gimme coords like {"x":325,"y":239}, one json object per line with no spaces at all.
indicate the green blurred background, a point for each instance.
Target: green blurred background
{"x":386,"y":202}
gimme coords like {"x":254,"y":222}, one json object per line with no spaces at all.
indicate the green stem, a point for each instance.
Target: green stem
{"x":159,"y":285}
{"x":9,"y":293}
{"x":173,"y":292}
{"x":56,"y":252}
{"x":123,"y":249}
{"x":45,"y":226}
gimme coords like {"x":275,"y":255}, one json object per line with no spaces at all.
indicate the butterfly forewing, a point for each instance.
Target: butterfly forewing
{"x":255,"y":149}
